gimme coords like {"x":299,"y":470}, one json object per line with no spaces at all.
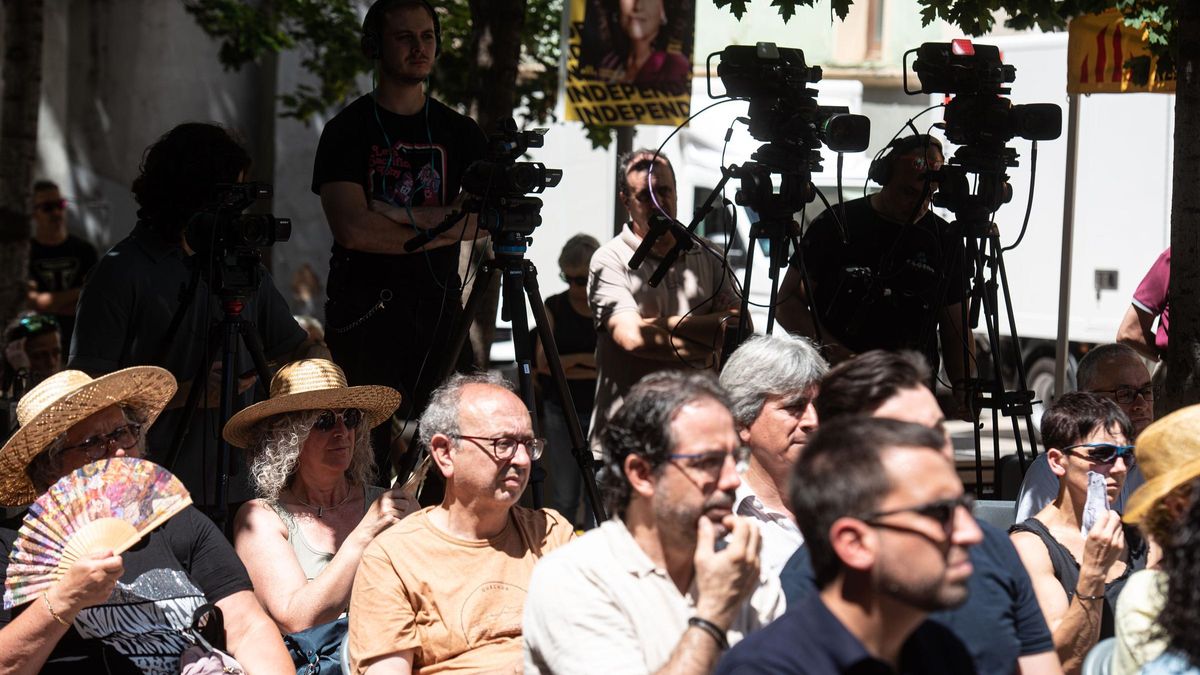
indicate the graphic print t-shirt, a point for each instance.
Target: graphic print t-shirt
{"x":168,"y":575}
{"x":405,"y":160}
{"x":61,"y":268}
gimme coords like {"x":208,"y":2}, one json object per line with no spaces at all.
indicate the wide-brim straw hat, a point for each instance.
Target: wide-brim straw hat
{"x":1168,"y":453}
{"x":66,"y":398}
{"x":312,"y":384}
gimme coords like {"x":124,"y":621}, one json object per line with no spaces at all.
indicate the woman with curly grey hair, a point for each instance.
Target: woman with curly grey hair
{"x":311,"y":465}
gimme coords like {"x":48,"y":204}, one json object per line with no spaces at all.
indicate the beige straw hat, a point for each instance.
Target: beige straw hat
{"x":1168,"y":453}
{"x":64,"y":399}
{"x":312,"y":384}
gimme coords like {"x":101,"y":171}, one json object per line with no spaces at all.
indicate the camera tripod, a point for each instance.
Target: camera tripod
{"x":982,"y":244}
{"x":224,"y":336}
{"x":519,"y":275}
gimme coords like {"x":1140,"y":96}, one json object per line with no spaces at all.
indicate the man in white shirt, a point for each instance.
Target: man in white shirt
{"x":653,"y":588}
{"x":772,"y":381}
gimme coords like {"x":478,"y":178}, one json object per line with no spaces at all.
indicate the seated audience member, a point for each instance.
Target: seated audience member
{"x":771,"y":381}
{"x":1179,"y":621}
{"x":1000,"y":623}
{"x":649,"y":591}
{"x":1078,"y":575}
{"x":32,"y":352}
{"x":570,"y":320}
{"x":889,"y":529}
{"x":119,"y":613}
{"x":1115,"y":372}
{"x":1168,"y":453}
{"x":444,"y":589}
{"x":311,"y":465}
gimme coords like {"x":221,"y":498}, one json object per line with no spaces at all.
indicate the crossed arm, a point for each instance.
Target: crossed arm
{"x":376,"y":227}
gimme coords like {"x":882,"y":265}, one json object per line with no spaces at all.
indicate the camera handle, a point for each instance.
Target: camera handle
{"x":224,"y":336}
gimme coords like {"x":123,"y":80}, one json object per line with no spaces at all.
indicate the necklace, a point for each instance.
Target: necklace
{"x":322,"y":509}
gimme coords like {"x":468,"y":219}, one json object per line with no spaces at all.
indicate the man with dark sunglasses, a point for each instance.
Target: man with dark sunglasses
{"x":889,"y":528}
{"x":58,"y":260}
{"x":1001,"y":623}
{"x":444,"y":588}
{"x":1112,"y":371}
{"x":1079,"y":568}
{"x":673,"y":578}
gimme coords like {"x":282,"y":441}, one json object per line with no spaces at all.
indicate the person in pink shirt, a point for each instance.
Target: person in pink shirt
{"x":1150,"y":301}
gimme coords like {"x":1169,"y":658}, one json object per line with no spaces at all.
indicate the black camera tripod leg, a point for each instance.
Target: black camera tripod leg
{"x":511,"y":287}
{"x":199,"y":383}
{"x":1022,"y":381}
{"x":579,"y":445}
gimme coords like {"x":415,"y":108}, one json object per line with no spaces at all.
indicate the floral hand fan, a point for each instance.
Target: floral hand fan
{"x":106,"y":505}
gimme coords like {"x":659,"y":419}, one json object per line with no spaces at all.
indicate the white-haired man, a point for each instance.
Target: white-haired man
{"x":772,"y":382}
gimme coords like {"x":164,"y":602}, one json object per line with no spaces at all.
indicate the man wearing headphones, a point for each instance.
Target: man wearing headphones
{"x":388,"y":166}
{"x":883,"y":272}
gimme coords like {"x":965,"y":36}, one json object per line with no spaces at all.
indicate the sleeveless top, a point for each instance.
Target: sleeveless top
{"x":311,"y":560}
{"x":1066,"y":568}
{"x":573,"y":334}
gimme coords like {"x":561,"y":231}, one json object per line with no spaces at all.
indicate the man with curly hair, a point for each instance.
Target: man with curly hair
{"x":673,"y":549}
{"x":146,"y":303}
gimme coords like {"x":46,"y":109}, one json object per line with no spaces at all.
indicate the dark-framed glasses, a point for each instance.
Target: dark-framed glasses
{"x":942,"y":511}
{"x":1102,"y":453}
{"x":97,"y":447}
{"x":504,"y":447}
{"x":351,"y":417}
{"x":712,"y":462}
{"x":1127,"y":395}
{"x":574,"y":281}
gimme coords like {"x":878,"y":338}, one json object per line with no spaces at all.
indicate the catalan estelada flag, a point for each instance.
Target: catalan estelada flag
{"x":1098,"y":50}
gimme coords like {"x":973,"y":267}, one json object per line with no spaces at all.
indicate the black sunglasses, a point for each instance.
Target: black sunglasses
{"x":942,"y":511}
{"x":351,"y":417}
{"x":1103,"y":453}
{"x":574,"y":281}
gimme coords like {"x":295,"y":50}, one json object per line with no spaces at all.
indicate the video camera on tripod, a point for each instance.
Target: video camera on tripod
{"x":227,"y":242}
{"x":500,"y":187}
{"x":979,"y":119}
{"x":785,"y":115}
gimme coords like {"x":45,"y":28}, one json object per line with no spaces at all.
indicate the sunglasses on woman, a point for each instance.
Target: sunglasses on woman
{"x":327,"y":420}
{"x":1102,"y":453}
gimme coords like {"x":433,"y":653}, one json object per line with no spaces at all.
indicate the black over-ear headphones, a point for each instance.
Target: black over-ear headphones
{"x":372,"y":27}
{"x":881,"y":168}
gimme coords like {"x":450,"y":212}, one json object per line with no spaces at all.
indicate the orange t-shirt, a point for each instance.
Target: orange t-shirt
{"x":456,"y":603}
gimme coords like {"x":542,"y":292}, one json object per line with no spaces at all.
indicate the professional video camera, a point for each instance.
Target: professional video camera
{"x":979,"y":118}
{"x":227,"y":242}
{"x":500,"y":184}
{"x":784,"y":114}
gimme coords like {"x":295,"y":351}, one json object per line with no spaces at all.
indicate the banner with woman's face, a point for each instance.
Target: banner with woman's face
{"x":630,"y":61}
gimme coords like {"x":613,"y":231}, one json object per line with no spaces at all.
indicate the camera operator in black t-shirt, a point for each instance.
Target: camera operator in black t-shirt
{"x":387,"y":166}
{"x":890,"y":275}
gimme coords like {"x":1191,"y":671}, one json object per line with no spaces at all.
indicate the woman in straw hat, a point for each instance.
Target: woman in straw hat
{"x":311,"y":465}
{"x":1176,"y":627}
{"x":118,"y":613}
{"x":1169,"y":453}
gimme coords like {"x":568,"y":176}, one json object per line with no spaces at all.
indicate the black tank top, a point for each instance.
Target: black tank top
{"x":1066,"y":568}
{"x":573,"y":334}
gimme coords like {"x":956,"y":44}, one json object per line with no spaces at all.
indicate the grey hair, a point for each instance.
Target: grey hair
{"x":1098,"y":359}
{"x":779,"y":365}
{"x":578,"y":250}
{"x":275,"y":452}
{"x":441,"y":415}
{"x":46,"y":467}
